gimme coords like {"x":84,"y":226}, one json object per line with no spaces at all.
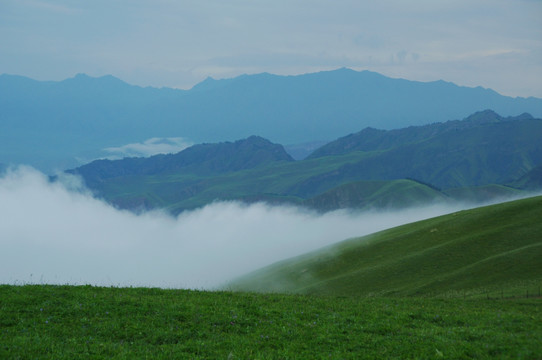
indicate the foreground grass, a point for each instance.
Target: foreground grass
{"x":66,"y":322}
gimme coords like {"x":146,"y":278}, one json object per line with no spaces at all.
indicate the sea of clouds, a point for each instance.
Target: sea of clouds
{"x":57,"y":233}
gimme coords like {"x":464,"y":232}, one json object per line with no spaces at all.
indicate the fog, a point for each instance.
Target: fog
{"x":56,"y":233}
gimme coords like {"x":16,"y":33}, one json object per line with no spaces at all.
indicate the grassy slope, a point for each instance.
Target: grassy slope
{"x":64,"y":322}
{"x":490,"y":248}
{"x":376,"y":194}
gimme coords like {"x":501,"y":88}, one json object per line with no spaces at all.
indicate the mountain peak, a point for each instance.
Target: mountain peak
{"x":371,"y":139}
{"x":484,"y":117}
{"x":524,"y":116}
{"x":202,"y":159}
{"x":255,"y":139}
{"x":104,"y":78}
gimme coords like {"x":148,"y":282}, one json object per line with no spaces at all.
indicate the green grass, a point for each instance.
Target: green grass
{"x":81,"y":322}
{"x":495,"y":249}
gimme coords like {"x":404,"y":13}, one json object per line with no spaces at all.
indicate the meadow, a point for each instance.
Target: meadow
{"x":490,"y":251}
{"x":72,"y":322}
{"x":459,"y":286}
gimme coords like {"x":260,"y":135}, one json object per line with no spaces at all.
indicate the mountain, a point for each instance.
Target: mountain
{"x":475,"y":159}
{"x":486,"y":193}
{"x":468,"y":252}
{"x":371,"y":139}
{"x":482,"y":149}
{"x":531,"y":180}
{"x":201,"y":160}
{"x":377,"y":194}
{"x":58,"y":125}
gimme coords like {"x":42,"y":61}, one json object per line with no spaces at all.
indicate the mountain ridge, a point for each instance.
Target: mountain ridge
{"x":81,"y":116}
{"x":202,"y":159}
{"x":472,"y":156}
{"x":370,"y":139}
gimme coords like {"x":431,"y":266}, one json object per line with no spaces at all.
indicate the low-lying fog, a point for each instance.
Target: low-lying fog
{"x":58,"y":234}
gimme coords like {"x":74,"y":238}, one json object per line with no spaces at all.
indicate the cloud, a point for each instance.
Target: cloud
{"x":58,"y":234}
{"x":149,"y":147}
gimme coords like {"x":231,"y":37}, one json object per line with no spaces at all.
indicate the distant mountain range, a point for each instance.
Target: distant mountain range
{"x":58,"y":125}
{"x":479,"y":158}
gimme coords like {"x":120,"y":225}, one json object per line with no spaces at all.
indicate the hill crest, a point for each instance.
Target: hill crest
{"x":372,"y":139}
{"x":202,"y":159}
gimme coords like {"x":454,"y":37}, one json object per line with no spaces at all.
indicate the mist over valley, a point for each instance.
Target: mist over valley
{"x":57,"y":233}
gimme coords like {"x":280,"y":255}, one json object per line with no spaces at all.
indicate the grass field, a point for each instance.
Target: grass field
{"x":76,"y":322}
{"x":451,"y":287}
{"x":489,"y":250}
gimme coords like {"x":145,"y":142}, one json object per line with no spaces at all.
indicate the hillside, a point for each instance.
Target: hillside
{"x":473,"y":251}
{"x":202,"y":160}
{"x":57,"y":125}
{"x":482,"y":149}
{"x":467,"y":160}
{"x":371,"y":139}
{"x":486,"y":193}
{"x":531,"y":180}
{"x":376,"y":194}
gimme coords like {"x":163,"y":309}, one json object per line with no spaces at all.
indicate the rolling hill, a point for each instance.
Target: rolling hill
{"x":475,"y":159}
{"x":59,"y":125}
{"x":498,"y":247}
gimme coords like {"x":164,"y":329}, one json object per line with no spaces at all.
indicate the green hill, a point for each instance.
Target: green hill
{"x":362,"y":171}
{"x":391,"y":194}
{"x":493,"y":248}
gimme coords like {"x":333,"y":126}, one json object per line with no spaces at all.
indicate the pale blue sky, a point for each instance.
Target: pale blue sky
{"x":489,"y":43}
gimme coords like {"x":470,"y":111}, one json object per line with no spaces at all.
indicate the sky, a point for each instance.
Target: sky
{"x":491,"y":43}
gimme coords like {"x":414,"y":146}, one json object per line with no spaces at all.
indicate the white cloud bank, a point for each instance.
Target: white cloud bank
{"x":57,"y":234}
